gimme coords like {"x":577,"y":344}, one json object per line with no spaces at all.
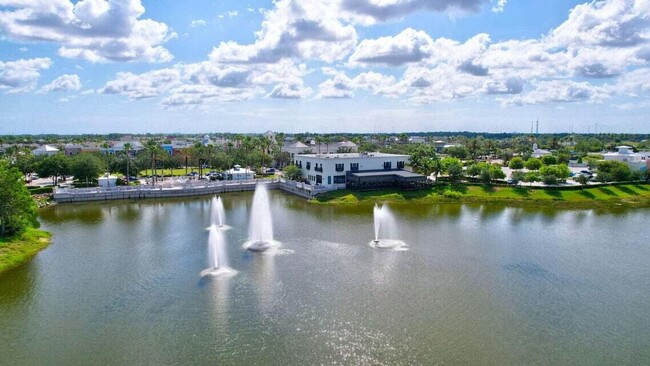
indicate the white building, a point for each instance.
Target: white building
{"x":238,"y":173}
{"x":296,"y":148}
{"x":625,"y":154}
{"x":538,"y":153}
{"x":45,"y":150}
{"x":330,"y":170}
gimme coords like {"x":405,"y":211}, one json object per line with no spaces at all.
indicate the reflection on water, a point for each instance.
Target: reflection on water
{"x":481,"y":284}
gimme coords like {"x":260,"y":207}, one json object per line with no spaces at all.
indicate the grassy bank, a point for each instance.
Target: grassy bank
{"x":635,"y":195}
{"x":20,"y":248}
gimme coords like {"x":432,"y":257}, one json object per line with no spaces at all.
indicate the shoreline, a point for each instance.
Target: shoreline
{"x":626,"y":195}
{"x":21,"y":248}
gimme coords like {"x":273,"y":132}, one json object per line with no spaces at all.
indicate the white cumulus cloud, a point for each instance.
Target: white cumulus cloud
{"x":94,"y":30}
{"x":22,"y":75}
{"x":65,"y":82}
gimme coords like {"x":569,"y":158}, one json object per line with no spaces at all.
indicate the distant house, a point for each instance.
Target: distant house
{"x":270,"y":135}
{"x":90,"y":147}
{"x":625,"y":154}
{"x":296,"y":148}
{"x":72,"y":149}
{"x":118,"y":147}
{"x":347,"y":146}
{"x":439,"y":145}
{"x":45,"y":150}
{"x":538,"y":153}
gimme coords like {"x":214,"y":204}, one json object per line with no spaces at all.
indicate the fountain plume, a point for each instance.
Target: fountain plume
{"x":217,"y":256}
{"x":218,"y":214}
{"x":260,"y":229}
{"x":386,"y":235}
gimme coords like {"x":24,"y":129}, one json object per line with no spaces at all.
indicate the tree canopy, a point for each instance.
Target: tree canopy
{"x":17,"y":208}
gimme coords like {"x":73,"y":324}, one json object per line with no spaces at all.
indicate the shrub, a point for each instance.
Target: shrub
{"x":533,"y":164}
{"x":516,"y":163}
{"x":550,"y":179}
{"x":452,"y":194}
{"x":531,"y":177}
{"x":549,"y":160}
{"x":40,"y":190}
{"x":518,"y":176}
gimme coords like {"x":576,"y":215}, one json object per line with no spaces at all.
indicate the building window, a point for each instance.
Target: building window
{"x":318,"y":167}
{"x":340,"y":167}
{"x":308,"y":165}
{"x":339,"y":179}
{"x":400,"y":165}
{"x":354,"y":167}
{"x":387,"y":165}
{"x":319,"y":179}
{"x":329,"y":179}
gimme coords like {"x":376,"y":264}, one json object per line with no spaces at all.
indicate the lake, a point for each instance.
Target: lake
{"x":479,"y":284}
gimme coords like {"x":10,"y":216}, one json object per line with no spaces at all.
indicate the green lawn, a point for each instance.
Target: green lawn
{"x":629,"y":194}
{"x":19,"y":249}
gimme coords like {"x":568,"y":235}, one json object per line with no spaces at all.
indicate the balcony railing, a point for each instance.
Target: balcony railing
{"x":318,"y":168}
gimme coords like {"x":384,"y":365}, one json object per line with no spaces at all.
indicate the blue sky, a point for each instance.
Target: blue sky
{"x":98,"y":66}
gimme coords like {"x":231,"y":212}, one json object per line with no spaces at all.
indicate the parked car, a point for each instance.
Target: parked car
{"x":269,"y":171}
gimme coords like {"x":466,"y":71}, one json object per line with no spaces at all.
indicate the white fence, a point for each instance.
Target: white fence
{"x":185,"y":188}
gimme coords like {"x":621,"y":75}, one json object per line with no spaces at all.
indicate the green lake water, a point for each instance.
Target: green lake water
{"x":479,"y":285}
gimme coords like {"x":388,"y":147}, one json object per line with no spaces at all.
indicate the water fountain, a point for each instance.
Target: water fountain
{"x":260,"y":229}
{"x":218,"y":214}
{"x":385,"y":229}
{"x":217,"y":242}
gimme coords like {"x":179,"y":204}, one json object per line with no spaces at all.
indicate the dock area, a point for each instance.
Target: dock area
{"x":174,"y":189}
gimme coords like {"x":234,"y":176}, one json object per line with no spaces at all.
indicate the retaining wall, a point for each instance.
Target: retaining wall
{"x":187,"y":190}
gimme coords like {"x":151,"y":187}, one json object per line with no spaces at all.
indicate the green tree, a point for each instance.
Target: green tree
{"x":549,"y":160}
{"x":558,"y":171}
{"x":292,"y":172}
{"x":127,"y":152}
{"x":518,"y":176}
{"x":86,"y":167}
{"x":54,"y":166}
{"x":17,"y":208}
{"x":460,"y":152}
{"x":420,"y":157}
{"x":533,"y":164}
{"x":613,"y":171}
{"x":582,"y":179}
{"x":496,"y":172}
{"x":453,"y":167}
{"x":516,"y":163}
{"x":153,"y":149}
{"x":25,"y":162}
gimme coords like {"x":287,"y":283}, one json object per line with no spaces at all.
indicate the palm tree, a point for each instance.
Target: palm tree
{"x":197,"y":154}
{"x":127,"y":149}
{"x":185,"y":155}
{"x":319,"y":140}
{"x":327,"y":141}
{"x":153,"y":148}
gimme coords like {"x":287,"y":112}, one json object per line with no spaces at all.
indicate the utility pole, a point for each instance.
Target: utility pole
{"x":537,"y":127}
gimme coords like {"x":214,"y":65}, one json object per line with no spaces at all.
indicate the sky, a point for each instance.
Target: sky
{"x":327,"y":66}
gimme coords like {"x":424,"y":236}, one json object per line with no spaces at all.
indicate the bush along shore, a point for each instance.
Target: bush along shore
{"x":631,"y":195}
{"x":20,"y":248}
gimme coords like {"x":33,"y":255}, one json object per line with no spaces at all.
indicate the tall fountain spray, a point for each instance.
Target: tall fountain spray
{"x":216,"y":250}
{"x":218,"y":214}
{"x":260,"y":229}
{"x":216,"y":243}
{"x":385,"y":229}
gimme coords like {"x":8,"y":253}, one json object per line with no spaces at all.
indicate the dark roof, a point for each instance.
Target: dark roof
{"x":380,"y":173}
